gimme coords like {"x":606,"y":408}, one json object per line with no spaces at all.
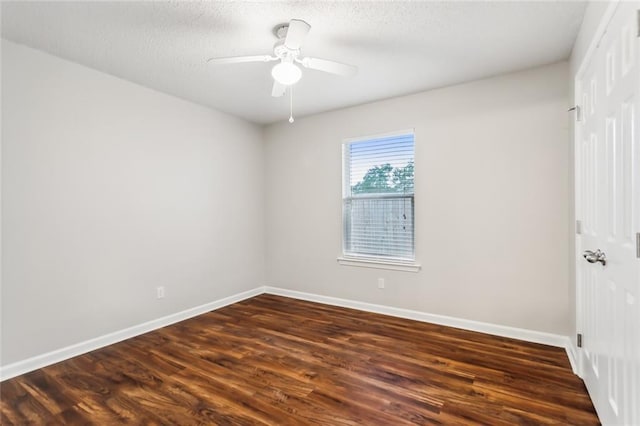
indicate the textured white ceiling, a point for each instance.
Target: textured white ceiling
{"x":399,"y":47}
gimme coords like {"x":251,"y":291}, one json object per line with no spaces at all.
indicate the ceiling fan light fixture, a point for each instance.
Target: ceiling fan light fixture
{"x":286,"y":73}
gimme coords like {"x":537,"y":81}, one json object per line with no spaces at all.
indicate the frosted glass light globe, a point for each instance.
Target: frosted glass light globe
{"x":286,"y":73}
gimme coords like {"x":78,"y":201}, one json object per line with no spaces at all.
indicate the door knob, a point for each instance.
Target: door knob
{"x":595,"y":256}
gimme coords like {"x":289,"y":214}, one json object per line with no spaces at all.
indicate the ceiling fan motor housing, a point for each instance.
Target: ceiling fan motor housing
{"x":283,"y":52}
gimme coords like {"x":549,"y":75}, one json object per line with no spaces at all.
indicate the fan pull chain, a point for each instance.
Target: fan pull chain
{"x":291,"y":120}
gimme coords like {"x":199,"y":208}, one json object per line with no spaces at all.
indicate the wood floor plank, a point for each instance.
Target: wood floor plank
{"x":272,"y":360}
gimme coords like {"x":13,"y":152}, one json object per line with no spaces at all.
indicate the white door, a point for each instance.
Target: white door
{"x":608,"y":208}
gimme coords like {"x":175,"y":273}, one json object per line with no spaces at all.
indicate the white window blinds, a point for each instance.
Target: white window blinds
{"x":378,"y":197}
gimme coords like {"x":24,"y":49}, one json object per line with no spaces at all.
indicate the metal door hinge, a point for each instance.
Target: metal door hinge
{"x":638,"y":245}
{"x":579,"y":340}
{"x":578,"y":227}
{"x":577,"y":110}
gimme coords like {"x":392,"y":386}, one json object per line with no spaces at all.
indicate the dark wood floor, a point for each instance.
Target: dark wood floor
{"x":277,"y":361}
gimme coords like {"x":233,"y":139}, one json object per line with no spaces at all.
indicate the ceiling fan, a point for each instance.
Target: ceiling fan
{"x":287,"y":51}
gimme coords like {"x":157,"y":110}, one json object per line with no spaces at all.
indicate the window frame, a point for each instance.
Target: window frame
{"x":366,"y":260}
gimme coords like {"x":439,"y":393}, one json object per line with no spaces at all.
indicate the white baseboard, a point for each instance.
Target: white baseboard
{"x":21,"y":367}
{"x":40,"y":361}
{"x":483,"y":327}
{"x":572,"y":354}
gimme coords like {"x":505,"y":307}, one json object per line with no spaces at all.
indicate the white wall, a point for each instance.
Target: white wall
{"x":109,"y":190}
{"x":492,"y":201}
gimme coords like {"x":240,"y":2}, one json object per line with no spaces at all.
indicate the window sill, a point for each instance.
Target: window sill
{"x":379,"y":264}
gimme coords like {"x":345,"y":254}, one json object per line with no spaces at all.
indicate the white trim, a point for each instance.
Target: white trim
{"x":347,"y":141}
{"x":43,"y":360}
{"x":379,"y":264}
{"x":572,"y":354}
{"x":597,"y":36}
{"x":483,"y":327}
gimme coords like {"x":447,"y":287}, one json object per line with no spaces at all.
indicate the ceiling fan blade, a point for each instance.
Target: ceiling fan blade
{"x":296,"y":34}
{"x":240,"y":59}
{"x":332,"y":67}
{"x":278,"y":89}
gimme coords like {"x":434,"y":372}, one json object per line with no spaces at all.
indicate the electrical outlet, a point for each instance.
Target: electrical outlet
{"x":160,"y":292}
{"x":380,"y":282}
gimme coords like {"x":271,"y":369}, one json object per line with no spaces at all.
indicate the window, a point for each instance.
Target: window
{"x":378,"y":198}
